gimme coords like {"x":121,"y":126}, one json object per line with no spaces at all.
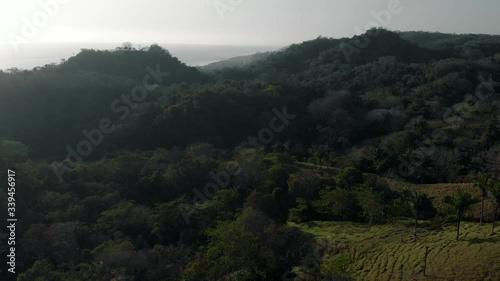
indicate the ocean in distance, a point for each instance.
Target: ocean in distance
{"x":33,"y":55}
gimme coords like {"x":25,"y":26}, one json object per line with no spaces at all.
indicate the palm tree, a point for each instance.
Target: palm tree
{"x":460,"y":203}
{"x":482,"y":182}
{"x":495,"y":192}
{"x":417,"y":201}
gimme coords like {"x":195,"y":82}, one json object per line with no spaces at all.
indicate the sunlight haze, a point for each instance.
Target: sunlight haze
{"x":257,"y":22}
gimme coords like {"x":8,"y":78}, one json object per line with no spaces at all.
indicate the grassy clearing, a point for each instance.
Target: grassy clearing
{"x":439,"y":191}
{"x":387,"y":252}
{"x":332,"y":171}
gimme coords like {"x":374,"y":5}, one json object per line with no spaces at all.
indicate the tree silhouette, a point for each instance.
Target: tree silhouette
{"x":494,"y":188}
{"x":418,"y":201}
{"x":460,"y":203}
{"x":482,"y":182}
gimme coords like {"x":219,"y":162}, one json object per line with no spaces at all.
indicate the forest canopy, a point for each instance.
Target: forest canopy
{"x":204,"y":166}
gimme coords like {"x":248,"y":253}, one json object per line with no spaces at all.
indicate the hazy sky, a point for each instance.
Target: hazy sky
{"x":244,"y":22}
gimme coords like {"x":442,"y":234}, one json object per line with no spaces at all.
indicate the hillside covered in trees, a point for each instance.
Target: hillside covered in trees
{"x":130,"y":165}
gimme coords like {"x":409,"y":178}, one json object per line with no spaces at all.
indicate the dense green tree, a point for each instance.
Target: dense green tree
{"x":40,"y":271}
{"x":372,"y":203}
{"x":227,"y":241}
{"x":338,"y":204}
{"x":349,"y":177}
{"x":304,"y":184}
{"x":300,"y":212}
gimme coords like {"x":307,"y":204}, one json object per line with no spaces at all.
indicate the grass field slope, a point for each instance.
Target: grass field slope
{"x":387,"y":252}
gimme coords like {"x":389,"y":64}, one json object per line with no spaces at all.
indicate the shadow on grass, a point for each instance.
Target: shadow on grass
{"x":484,"y":240}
